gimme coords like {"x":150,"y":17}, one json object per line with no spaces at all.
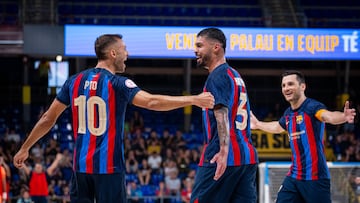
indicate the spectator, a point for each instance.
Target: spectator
{"x":25,"y":197}
{"x":166,"y":138}
{"x":173,"y":183}
{"x":183,"y":161}
{"x":134,"y":192}
{"x":357,"y":151}
{"x":58,"y":187}
{"x":140,"y":149}
{"x":38,"y":180}
{"x":7,"y":152}
{"x":154,"y":161}
{"x":144,"y":173}
{"x":336,"y":146}
{"x":154,"y":146}
{"x":186,"y":191}
{"x":178,"y":140}
{"x":127,"y":145}
{"x":162,"y":192}
{"x":66,"y":166}
{"x":169,"y":154}
{"x":52,"y":149}
{"x":194,"y":158}
{"x":12,"y":136}
{"x":350,"y":155}
{"x":137,"y":135}
{"x":153,"y":137}
{"x":169,"y":167}
{"x":51,"y":189}
{"x":131,"y":163}
{"x":136,"y":121}
{"x":37,"y":151}
{"x":191,"y":175}
{"x":66,"y":194}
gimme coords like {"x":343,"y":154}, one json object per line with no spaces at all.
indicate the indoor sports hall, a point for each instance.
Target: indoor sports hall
{"x":45,"y":42}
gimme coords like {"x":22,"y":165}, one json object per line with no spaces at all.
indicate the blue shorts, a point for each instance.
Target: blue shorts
{"x":304,"y":191}
{"x":237,"y":184}
{"x":85,"y":188}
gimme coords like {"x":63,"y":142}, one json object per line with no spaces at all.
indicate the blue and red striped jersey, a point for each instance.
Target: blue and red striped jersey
{"x":306,"y":136}
{"x":229,"y":90}
{"x":98,"y":101}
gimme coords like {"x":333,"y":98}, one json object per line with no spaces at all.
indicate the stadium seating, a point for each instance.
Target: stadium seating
{"x":336,"y":14}
{"x":331,"y":14}
{"x":203,"y":13}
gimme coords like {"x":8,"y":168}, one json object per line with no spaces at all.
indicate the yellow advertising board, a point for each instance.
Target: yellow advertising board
{"x":270,"y":145}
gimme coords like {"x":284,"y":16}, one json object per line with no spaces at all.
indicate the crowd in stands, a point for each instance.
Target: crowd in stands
{"x":159,"y":164}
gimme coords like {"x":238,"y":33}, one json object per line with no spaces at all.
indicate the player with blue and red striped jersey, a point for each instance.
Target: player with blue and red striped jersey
{"x":228,"y":164}
{"x":98,"y":98}
{"x":308,"y":179}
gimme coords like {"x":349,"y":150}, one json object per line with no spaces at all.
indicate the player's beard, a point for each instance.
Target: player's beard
{"x":202,"y":63}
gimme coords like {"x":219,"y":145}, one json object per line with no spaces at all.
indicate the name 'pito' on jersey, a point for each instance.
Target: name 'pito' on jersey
{"x":92,"y":85}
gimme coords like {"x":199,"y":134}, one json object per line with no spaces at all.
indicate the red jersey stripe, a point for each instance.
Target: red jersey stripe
{"x":75,"y":112}
{"x":111,"y":130}
{"x":296,"y":147}
{"x":312,"y":144}
{"x":234,"y":143}
{"x":92,"y":144}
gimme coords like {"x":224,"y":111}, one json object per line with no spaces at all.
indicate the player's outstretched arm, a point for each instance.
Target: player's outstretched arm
{"x":338,"y":117}
{"x":165,"y":103}
{"x":271,"y":127}
{"x":43,"y":126}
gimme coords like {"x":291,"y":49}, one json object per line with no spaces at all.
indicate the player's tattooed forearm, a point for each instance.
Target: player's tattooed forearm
{"x":221,"y":115}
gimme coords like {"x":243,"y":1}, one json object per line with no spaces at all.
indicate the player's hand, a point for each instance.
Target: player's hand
{"x":59,"y":156}
{"x":221,"y":162}
{"x":349,"y":113}
{"x":253,"y":121}
{"x":205,"y":100}
{"x":20,"y":158}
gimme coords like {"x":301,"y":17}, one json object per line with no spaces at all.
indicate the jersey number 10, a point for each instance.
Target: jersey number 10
{"x":89,"y":120}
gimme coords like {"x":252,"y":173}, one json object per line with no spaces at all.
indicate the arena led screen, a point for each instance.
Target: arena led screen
{"x":242,"y":43}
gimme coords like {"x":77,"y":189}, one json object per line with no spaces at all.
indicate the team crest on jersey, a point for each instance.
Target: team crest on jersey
{"x":130,"y":84}
{"x":299,"y":119}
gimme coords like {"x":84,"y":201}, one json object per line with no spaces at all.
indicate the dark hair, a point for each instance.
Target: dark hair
{"x":299,"y":75}
{"x":103,"y":42}
{"x":214,"y":33}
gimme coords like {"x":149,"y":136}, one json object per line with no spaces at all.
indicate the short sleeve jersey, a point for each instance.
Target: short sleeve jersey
{"x":306,"y":134}
{"x":98,"y":100}
{"x":229,"y":90}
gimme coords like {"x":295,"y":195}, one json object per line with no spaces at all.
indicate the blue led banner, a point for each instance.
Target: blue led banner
{"x":242,"y":43}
